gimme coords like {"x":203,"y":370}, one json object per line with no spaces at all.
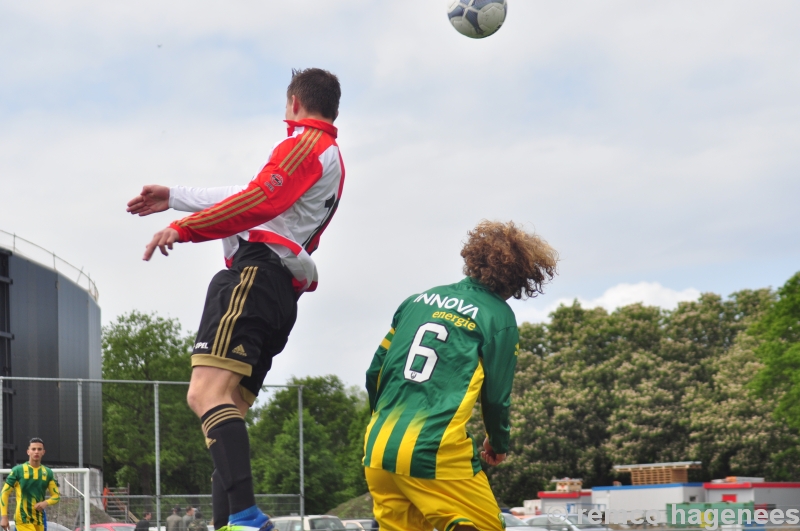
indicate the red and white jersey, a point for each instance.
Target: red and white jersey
{"x":286,"y":206}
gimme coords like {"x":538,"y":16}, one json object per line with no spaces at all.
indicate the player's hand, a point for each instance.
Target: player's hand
{"x":4,"y":522}
{"x":153,"y":198}
{"x":41,"y":506}
{"x":489,"y":455}
{"x":163,"y":240}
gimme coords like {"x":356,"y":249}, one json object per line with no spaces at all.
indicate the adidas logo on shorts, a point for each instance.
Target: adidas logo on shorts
{"x":239,"y":350}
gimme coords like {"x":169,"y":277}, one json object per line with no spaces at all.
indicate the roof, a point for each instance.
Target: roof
{"x":650,"y":486}
{"x":754,"y":485}
{"x":548,"y":494}
{"x":678,"y":465}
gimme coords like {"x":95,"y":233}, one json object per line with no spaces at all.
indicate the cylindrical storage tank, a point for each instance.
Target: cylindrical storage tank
{"x":49,"y":328}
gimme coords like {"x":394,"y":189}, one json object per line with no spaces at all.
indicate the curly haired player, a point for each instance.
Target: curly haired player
{"x":446,"y":347}
{"x":269,"y":230}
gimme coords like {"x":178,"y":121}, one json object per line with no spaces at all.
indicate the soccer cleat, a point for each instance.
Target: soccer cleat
{"x":251,"y":519}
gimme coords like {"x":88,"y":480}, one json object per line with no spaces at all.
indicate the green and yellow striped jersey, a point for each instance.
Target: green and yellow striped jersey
{"x":446,"y":347}
{"x":29,"y":485}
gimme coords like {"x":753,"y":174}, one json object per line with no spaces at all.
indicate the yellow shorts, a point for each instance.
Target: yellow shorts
{"x":403,"y":503}
{"x":29,"y":527}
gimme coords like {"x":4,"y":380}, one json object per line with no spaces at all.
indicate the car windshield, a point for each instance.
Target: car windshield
{"x":583,"y":522}
{"x":513,"y":521}
{"x":326,"y":523}
{"x":557,"y":521}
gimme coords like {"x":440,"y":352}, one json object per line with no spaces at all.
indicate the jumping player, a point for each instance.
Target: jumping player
{"x":270,"y":228}
{"x":30,"y":482}
{"x":446,"y":347}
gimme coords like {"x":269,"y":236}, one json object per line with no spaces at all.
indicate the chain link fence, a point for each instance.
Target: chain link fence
{"x":142,"y":443}
{"x":131,"y":508}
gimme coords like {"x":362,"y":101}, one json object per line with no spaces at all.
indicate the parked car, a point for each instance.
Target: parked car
{"x":361,"y":524}
{"x":318,"y":521}
{"x":516,"y":523}
{"x":115,"y":526}
{"x":51,"y":526}
{"x":567,"y":522}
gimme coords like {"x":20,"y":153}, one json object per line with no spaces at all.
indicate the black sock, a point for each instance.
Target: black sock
{"x":226,"y":437}
{"x":219,"y":501}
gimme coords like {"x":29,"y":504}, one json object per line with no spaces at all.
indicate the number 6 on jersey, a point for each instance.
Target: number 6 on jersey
{"x":428,"y":353}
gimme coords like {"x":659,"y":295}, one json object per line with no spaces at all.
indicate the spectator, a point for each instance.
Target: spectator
{"x":198,"y":524}
{"x":174,"y":521}
{"x":106,"y":494}
{"x":144,"y":523}
{"x":187,"y":518}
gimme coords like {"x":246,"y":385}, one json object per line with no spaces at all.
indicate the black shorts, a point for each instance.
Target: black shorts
{"x":250,"y":310}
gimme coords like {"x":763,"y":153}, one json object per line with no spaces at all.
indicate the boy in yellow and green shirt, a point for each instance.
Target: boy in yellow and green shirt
{"x":30,"y":482}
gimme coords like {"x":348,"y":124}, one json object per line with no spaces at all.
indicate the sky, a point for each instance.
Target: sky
{"x":653,"y":144}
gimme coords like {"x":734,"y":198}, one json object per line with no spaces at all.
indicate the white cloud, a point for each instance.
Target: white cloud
{"x":624,"y":294}
{"x":648,"y":293}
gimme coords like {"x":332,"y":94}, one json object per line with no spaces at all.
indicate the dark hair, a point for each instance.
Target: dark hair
{"x":35,"y":440}
{"x":318,"y":91}
{"x":508,"y":260}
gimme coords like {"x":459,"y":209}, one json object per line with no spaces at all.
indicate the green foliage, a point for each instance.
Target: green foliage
{"x":645,"y":385}
{"x":139,"y":346}
{"x":334,"y":421}
{"x":279,"y":469}
{"x":778,"y":334}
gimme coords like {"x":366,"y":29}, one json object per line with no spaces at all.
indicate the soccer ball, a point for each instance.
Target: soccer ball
{"x":477,"y":18}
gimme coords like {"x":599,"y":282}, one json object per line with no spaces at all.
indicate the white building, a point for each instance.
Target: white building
{"x":565,"y":502}
{"x":756,"y":490}
{"x":646,"y":497}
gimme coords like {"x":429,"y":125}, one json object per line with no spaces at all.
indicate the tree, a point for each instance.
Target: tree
{"x":139,"y":346}
{"x":334,"y":422}
{"x":778,"y":333}
{"x":733,"y":431}
{"x":594,"y":389}
{"x":279,"y":468}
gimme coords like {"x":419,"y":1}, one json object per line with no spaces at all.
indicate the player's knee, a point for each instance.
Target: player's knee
{"x":210,"y":387}
{"x":194,"y":399}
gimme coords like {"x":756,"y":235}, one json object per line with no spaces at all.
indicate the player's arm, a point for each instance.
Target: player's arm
{"x":499,"y":362}
{"x":375,"y":370}
{"x":192,"y":199}
{"x":55,"y":495}
{"x":156,"y":198}
{"x":260,"y":202}
{"x":4,"y":499}
{"x":8,"y":486}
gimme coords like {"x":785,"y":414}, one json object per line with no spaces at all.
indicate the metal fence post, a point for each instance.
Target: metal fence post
{"x":87,"y":480}
{"x":302,"y":478}
{"x":158,"y":460}
{"x":80,"y":424}
{"x":2,"y":435}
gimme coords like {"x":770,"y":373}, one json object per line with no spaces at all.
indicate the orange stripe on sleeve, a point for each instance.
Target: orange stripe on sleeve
{"x":220,"y":208}
{"x":202,"y":224}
